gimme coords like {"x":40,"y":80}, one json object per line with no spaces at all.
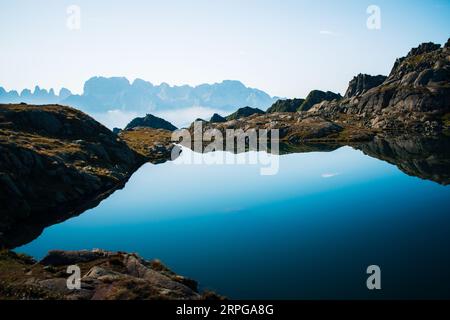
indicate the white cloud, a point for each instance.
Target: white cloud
{"x":328,"y":33}
{"x":329,"y":175}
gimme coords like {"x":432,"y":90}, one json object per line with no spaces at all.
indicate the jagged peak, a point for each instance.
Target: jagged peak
{"x":217,"y":118}
{"x":425,"y":47}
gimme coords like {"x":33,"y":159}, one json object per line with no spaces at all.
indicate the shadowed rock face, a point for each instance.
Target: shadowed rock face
{"x":55,"y":162}
{"x":363,"y":83}
{"x":424,"y":157}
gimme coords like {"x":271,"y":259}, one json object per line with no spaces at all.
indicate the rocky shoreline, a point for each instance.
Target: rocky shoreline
{"x":104,"y":276}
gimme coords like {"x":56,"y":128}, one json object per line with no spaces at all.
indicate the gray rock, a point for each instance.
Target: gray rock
{"x":362,"y":83}
{"x":59,"y":257}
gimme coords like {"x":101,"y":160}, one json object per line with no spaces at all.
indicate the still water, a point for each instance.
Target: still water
{"x":309,"y":231}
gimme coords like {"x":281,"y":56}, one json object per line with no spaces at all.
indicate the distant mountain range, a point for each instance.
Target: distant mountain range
{"x":102,"y":94}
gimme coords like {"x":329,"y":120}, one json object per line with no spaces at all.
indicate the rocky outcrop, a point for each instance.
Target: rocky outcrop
{"x":317,"y":96}
{"x":55,"y":162}
{"x":287,"y":105}
{"x":414,"y":98}
{"x":150,"y":121}
{"x":292,"y":128}
{"x":423,"y":48}
{"x":104,"y":276}
{"x":362,"y":83}
{"x":217,"y":118}
{"x":244,"y":112}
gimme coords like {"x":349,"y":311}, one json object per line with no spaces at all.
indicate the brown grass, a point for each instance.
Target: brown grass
{"x":140,"y":140}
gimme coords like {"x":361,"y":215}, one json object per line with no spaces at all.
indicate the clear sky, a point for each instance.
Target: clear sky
{"x":285,"y":48}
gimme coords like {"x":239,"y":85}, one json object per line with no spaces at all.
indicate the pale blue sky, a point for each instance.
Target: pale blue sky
{"x":276,"y":46}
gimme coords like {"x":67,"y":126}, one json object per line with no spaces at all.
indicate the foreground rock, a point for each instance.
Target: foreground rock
{"x":105,"y":276}
{"x":55,"y":162}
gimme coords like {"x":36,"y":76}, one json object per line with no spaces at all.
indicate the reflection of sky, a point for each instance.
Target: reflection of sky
{"x":180,"y":190}
{"x":229,"y":227}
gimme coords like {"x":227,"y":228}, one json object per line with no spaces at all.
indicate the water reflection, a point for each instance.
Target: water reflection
{"x":424,"y":157}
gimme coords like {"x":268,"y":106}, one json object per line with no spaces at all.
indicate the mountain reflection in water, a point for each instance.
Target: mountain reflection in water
{"x":309,"y":231}
{"x":424,"y":157}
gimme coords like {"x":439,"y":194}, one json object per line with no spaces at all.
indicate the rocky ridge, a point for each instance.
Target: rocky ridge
{"x":362,"y":83}
{"x":414,"y":98}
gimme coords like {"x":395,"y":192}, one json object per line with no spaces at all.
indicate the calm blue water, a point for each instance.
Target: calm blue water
{"x":309,"y":231}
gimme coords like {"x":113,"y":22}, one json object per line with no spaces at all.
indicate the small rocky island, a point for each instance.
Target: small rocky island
{"x":56,"y":162}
